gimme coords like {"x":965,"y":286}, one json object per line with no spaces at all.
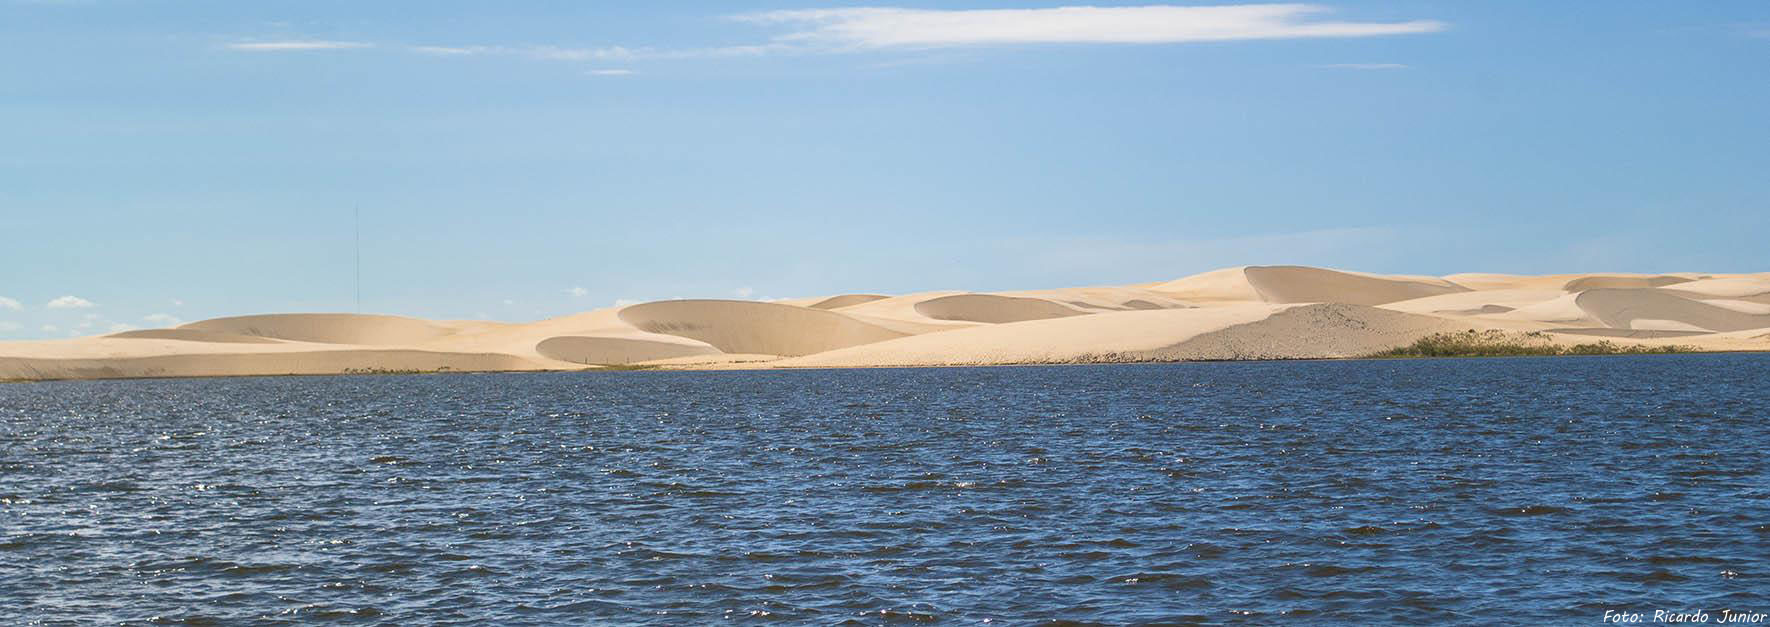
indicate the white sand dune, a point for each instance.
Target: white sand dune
{"x":1298,"y":284}
{"x":1664,"y":310}
{"x":362,"y":329}
{"x":604,"y":351}
{"x":994,"y":309}
{"x":1752,"y":289}
{"x":1622,"y":282}
{"x":1475,"y":303}
{"x":1229,"y":332}
{"x":1253,"y":312}
{"x":845,"y":300}
{"x":193,"y":335}
{"x":752,"y":327}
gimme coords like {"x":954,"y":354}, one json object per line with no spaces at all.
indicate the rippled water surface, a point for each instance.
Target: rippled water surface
{"x":1493,"y":491}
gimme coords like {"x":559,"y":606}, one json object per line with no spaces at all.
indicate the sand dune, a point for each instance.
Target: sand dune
{"x":193,"y":335}
{"x":370,"y":330}
{"x":994,"y":309}
{"x":1229,"y":332}
{"x":845,"y":300}
{"x":616,"y":350}
{"x":1663,"y":310}
{"x":1253,"y":312}
{"x":261,"y":363}
{"x":1738,"y":288}
{"x":1621,"y":282}
{"x":752,"y":327}
{"x":1475,"y":303}
{"x":1298,"y":284}
{"x":1293,"y":284}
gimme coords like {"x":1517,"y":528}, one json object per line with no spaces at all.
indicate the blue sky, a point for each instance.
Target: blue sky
{"x":177,"y":160}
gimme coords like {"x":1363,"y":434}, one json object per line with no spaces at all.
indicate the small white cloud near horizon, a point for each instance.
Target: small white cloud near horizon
{"x":297,"y":46}
{"x":744,"y":292}
{"x":177,"y":303}
{"x":1365,"y":66}
{"x":165,"y":320}
{"x":7,"y":303}
{"x":882,"y":27}
{"x":69,"y":302}
{"x":578,"y":292}
{"x":119,"y":327}
{"x":9,"y":326}
{"x":50,"y":328}
{"x":611,"y":72}
{"x":623,"y":302}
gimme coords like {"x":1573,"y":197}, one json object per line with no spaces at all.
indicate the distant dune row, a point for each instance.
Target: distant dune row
{"x":1254,"y":312}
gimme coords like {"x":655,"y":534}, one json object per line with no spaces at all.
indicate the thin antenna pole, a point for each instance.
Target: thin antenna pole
{"x":357,"y":212}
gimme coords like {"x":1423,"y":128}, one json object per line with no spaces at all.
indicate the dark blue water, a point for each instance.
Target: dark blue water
{"x":1462,"y":491}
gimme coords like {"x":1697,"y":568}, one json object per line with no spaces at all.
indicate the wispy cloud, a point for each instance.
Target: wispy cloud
{"x":9,"y":326}
{"x":812,"y":31}
{"x":162,"y":319}
{"x":873,"y":28}
{"x":578,"y":292}
{"x":596,"y":53}
{"x":1365,"y":66}
{"x":7,"y":303}
{"x":297,"y":46}
{"x":69,"y":302}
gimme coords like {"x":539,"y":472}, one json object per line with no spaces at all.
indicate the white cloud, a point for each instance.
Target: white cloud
{"x":612,"y":72}
{"x":1365,"y":66}
{"x":7,"y":303}
{"x":118,"y":327}
{"x":602,"y":53}
{"x":509,"y":302}
{"x":744,"y":292}
{"x":165,"y":320}
{"x":9,"y":326}
{"x":449,"y":51}
{"x":50,"y":328}
{"x":297,"y":46}
{"x":69,"y":302}
{"x":875,"y":27}
{"x":578,"y":292}
{"x":623,"y":302}
{"x":177,"y":303}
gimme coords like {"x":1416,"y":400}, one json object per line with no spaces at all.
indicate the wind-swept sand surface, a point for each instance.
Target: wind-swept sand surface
{"x":1254,"y":312}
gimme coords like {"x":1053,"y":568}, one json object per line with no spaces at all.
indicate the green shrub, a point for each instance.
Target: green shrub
{"x":1496,"y":343}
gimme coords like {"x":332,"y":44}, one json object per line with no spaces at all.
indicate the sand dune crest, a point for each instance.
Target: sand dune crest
{"x":994,"y":309}
{"x":361,"y":329}
{"x":753,"y":327}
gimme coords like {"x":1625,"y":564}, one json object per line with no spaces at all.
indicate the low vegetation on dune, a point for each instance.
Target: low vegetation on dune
{"x":1495,"y":343}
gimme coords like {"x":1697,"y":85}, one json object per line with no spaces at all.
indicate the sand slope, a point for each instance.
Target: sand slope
{"x":1252,"y":312}
{"x":1298,"y":284}
{"x":328,"y":328}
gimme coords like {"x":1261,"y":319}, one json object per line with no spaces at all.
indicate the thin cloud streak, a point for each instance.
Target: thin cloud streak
{"x":874,"y":27}
{"x":603,"y":53}
{"x":297,"y":46}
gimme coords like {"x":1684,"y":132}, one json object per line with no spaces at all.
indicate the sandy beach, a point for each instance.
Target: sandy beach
{"x":1254,"y":312}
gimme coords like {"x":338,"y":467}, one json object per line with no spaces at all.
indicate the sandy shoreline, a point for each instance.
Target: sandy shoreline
{"x":1247,"y":313}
